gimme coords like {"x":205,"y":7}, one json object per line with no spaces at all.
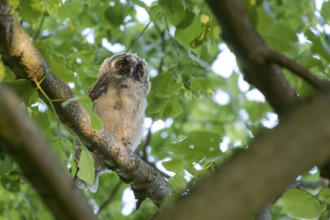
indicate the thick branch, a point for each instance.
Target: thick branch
{"x":23,"y":58}
{"x":25,"y":143}
{"x":249,"y":49}
{"x":254,"y":177}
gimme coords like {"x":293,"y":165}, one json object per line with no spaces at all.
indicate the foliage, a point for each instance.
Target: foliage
{"x":194,"y":129}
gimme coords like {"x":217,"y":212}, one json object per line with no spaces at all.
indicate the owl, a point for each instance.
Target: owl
{"x":119,"y":98}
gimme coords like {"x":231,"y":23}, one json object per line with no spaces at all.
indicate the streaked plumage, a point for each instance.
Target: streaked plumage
{"x":119,"y":98}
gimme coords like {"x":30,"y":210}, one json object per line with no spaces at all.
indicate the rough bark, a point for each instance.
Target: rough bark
{"x":22,"y":139}
{"x":19,"y":53}
{"x":271,"y":163}
{"x":238,"y":32}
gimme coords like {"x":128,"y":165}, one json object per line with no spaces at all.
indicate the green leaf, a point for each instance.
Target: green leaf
{"x":319,"y":45}
{"x":325,"y":10}
{"x":7,"y":74}
{"x":309,"y":61}
{"x":86,"y":167}
{"x":52,"y":6}
{"x":31,"y":10}
{"x":69,"y":9}
{"x":2,"y":71}
{"x":324,"y":195}
{"x":13,"y":4}
{"x":201,"y":85}
{"x":301,"y":204}
{"x":178,"y":182}
{"x":114,"y":14}
{"x":155,"y":12}
{"x":164,"y":97}
{"x":84,"y":100}
{"x":173,"y":109}
{"x":174,"y":165}
{"x":141,"y":4}
{"x":60,"y":146}
{"x":188,"y":95}
{"x":164,"y":108}
{"x":24,"y":89}
{"x":196,"y":145}
{"x":11,"y":181}
{"x":281,"y":36}
{"x":177,"y":13}
{"x":166,"y":85}
{"x":86,"y":17}
{"x":189,"y":34}
{"x":60,"y":70}
{"x":6,"y":165}
{"x":262,"y":16}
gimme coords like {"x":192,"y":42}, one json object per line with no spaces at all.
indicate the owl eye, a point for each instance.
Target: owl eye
{"x":120,"y":64}
{"x":140,"y":71}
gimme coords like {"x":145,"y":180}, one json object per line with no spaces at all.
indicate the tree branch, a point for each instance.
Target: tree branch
{"x":24,"y":59}
{"x":38,"y":163}
{"x":137,"y":37}
{"x":297,"y":69}
{"x":143,"y":151}
{"x":106,"y":202}
{"x":37,"y":33}
{"x":162,"y":47}
{"x":144,"y":154}
{"x":310,"y":185}
{"x":249,"y":49}
{"x":254,"y":177}
{"x":231,"y":193}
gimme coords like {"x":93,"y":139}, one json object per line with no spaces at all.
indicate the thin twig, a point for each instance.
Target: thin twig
{"x":310,"y":185}
{"x":46,"y":36}
{"x":50,"y":103}
{"x":297,"y":69}
{"x":110,"y":198}
{"x":146,"y":143}
{"x":36,"y":35}
{"x":144,"y":154}
{"x":163,"y":48}
{"x":140,"y":34}
{"x":171,"y":38}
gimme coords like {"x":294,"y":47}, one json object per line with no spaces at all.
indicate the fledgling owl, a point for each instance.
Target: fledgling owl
{"x":119,"y":98}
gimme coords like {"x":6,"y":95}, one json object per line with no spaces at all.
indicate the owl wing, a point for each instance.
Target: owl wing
{"x":99,"y":87}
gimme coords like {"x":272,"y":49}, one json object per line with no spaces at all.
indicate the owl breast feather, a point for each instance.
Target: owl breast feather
{"x":122,"y":112}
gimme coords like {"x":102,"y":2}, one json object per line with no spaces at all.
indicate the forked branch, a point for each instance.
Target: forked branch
{"x":297,"y":69}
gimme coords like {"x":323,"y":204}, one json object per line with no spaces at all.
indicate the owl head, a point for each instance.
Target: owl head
{"x":126,"y":67}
